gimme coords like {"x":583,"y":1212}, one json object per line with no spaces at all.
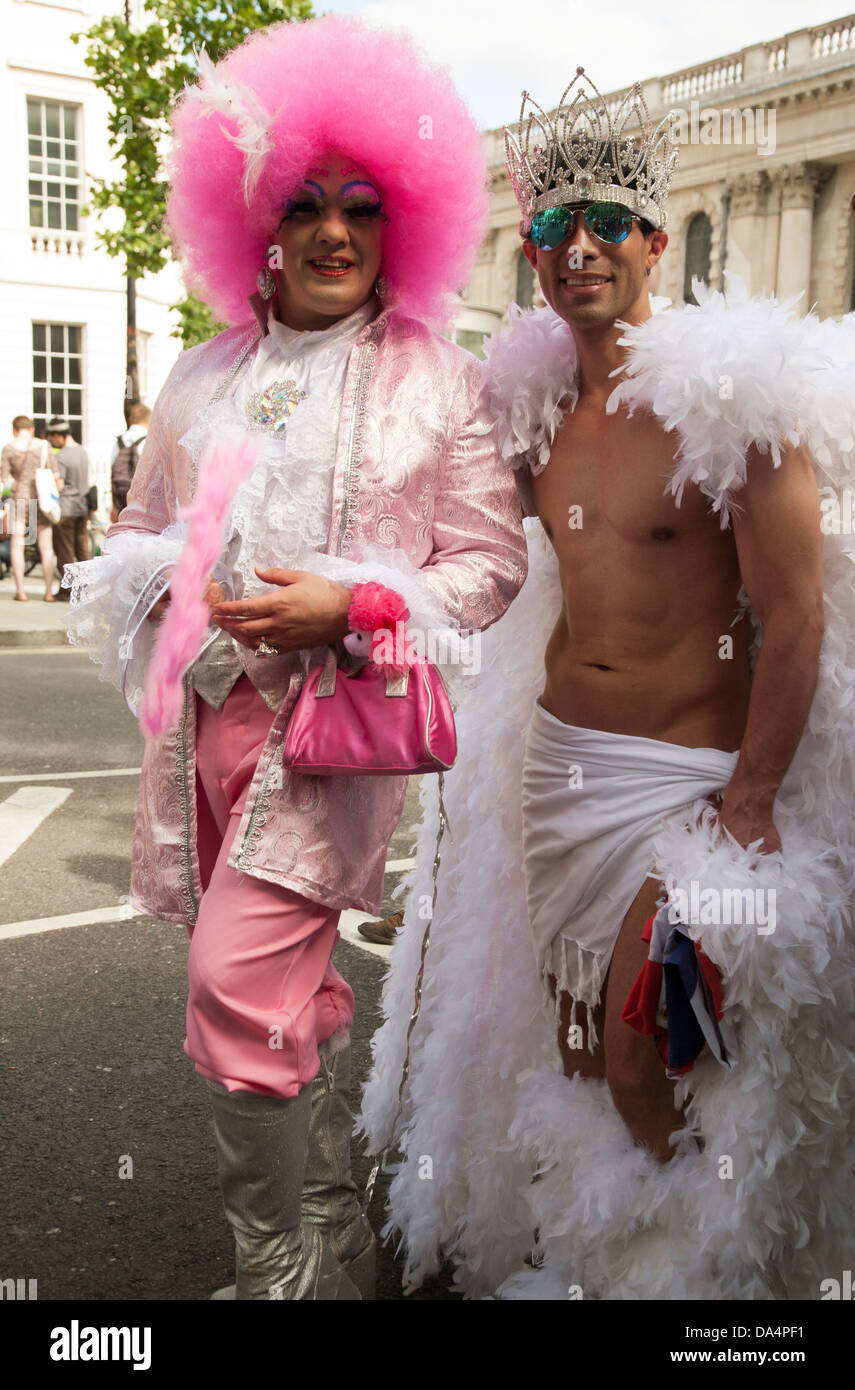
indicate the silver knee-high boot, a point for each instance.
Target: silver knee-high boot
{"x":262,"y":1147}
{"x":330,"y":1202}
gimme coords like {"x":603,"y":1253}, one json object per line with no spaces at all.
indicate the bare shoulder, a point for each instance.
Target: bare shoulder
{"x":777,"y":526}
{"x":777,"y":482}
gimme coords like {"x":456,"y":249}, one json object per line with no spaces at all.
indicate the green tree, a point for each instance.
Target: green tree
{"x":141,"y":71}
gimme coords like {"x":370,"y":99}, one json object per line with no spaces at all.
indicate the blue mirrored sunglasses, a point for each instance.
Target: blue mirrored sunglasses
{"x":611,"y":222}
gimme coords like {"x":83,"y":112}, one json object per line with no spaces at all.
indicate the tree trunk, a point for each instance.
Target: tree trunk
{"x":132,"y":380}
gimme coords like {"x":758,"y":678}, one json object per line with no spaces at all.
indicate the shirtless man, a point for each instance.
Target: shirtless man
{"x":650,"y":588}
{"x":652,"y":731}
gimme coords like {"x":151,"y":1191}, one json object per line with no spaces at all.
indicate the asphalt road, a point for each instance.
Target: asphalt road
{"x":92,"y":1020}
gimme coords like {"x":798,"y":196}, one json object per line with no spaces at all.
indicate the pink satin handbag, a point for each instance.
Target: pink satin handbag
{"x":372,"y":722}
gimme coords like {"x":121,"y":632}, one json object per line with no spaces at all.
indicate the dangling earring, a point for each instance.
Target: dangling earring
{"x":381,"y":287}
{"x":266,"y":282}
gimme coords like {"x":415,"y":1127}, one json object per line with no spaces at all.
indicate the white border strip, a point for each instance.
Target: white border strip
{"x":75,"y":776}
{"x":23,"y":812}
{"x":122,"y":912}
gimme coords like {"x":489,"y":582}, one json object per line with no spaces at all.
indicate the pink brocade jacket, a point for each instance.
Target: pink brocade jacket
{"x":418,"y":477}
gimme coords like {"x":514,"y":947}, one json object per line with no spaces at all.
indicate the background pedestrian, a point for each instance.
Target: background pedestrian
{"x":125,"y":456}
{"x":71,"y":535}
{"x":18,"y":464}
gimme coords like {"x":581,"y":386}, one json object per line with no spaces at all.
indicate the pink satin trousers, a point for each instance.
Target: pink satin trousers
{"x":264,"y":993}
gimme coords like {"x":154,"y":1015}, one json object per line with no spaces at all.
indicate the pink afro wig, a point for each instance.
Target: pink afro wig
{"x":284,"y":96}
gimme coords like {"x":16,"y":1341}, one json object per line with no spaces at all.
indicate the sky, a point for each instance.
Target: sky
{"x":494,"y":48}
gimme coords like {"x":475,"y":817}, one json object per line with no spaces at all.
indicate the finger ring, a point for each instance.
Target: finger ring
{"x":264,"y":648}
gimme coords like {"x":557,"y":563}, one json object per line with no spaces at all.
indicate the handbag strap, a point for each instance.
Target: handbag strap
{"x":397,"y":682}
{"x":326,"y":685}
{"x":379,"y":1162}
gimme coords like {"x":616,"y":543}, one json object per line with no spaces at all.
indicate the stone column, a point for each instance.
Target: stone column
{"x":746,"y":227}
{"x":799,"y":186}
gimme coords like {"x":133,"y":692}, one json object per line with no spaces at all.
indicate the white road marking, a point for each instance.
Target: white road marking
{"x":25,"y":809}
{"x":23,"y":812}
{"x":347,"y":924}
{"x":122,"y":912}
{"x":74,"y":776}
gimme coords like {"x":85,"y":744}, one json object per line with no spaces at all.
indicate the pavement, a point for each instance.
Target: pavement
{"x":92,"y":1000}
{"x":34,"y":623}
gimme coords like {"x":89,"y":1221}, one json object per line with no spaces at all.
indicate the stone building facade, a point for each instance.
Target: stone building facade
{"x":767,"y":171}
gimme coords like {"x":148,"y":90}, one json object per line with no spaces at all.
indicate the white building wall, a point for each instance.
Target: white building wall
{"x":65,"y":277}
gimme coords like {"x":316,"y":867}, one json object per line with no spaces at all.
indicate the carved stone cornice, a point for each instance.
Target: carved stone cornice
{"x":799,"y":184}
{"x":748,"y":193}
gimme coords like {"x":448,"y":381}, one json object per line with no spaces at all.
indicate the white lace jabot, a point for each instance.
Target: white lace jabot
{"x":284,"y":508}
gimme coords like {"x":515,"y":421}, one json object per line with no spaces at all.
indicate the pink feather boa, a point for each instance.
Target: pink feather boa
{"x":182,"y":629}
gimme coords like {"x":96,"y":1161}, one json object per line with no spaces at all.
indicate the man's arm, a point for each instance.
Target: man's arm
{"x":779,"y":544}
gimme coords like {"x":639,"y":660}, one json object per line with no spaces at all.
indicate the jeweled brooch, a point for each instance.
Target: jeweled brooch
{"x":271,"y":409}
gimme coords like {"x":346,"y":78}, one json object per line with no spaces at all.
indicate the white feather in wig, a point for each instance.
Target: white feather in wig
{"x":240,"y":104}
{"x":519,"y":1149}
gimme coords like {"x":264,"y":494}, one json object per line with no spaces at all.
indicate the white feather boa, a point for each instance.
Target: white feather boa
{"x":487,"y":1102}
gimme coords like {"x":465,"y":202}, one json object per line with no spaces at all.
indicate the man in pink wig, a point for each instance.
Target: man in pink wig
{"x":327,"y":193}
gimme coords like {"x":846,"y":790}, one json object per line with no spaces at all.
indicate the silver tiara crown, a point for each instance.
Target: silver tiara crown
{"x":581,"y":153}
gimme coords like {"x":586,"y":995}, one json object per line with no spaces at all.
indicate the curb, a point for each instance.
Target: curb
{"x":38,"y":637}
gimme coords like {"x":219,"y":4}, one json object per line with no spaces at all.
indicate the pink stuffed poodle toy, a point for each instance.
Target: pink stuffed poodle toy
{"x":376,"y":614}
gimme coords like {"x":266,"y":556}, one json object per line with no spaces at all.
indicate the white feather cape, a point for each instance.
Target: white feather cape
{"x":487,"y":1102}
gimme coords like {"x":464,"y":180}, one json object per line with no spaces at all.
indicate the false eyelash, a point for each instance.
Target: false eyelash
{"x":366,"y":209}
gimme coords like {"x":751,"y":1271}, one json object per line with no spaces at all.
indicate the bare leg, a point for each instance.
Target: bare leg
{"x":16,"y":548}
{"x":45,"y":545}
{"x":643,"y":1095}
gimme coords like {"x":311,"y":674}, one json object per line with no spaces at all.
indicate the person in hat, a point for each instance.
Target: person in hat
{"x":327,"y":194}
{"x":71,"y":533}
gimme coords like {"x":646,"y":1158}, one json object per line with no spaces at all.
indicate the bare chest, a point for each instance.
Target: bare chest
{"x":607,"y":478}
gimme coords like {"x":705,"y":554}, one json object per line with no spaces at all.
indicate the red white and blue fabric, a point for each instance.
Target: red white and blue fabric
{"x":677,"y":996}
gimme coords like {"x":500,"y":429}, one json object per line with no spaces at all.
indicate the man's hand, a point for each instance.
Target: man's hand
{"x":213,"y":595}
{"x":749,"y":820}
{"x":308,"y":611}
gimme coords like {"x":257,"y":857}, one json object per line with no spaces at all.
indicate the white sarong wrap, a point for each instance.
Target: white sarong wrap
{"x":593,"y":803}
